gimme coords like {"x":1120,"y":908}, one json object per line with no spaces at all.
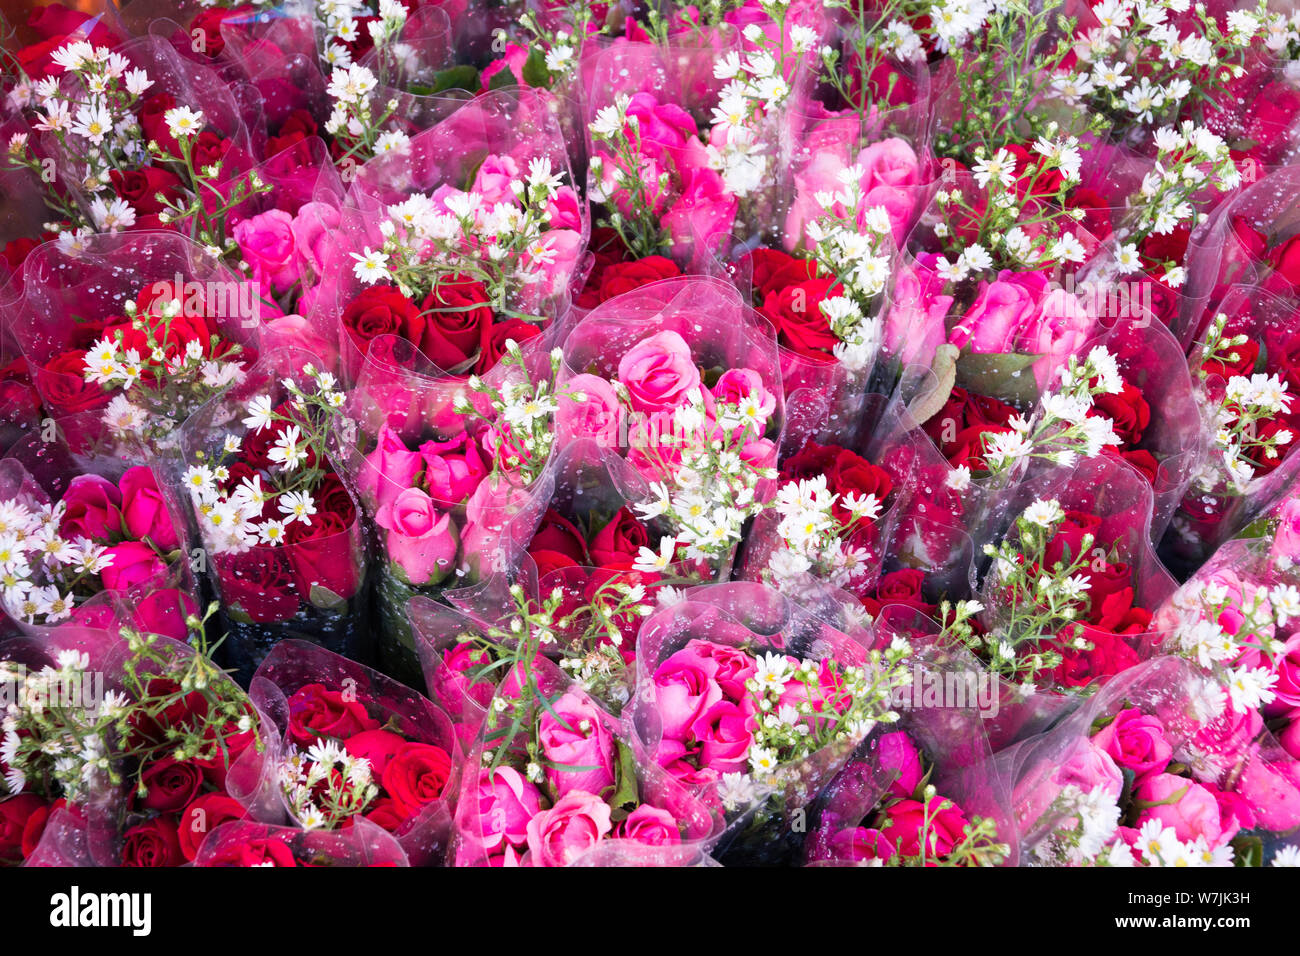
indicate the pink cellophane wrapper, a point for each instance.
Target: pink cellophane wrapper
{"x":294,"y":664}
{"x":245,"y":843}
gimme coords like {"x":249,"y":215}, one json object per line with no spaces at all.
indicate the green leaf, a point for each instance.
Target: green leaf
{"x":501,"y":79}
{"x":928,"y":403}
{"x":626,"y":796}
{"x":463,"y":77}
{"x":325,"y":599}
{"x":535,"y":72}
{"x":1008,"y":377}
{"x":1248,"y":851}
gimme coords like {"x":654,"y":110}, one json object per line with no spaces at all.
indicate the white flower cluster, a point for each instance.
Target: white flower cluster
{"x":1139,"y":64}
{"x":813,"y":538}
{"x":504,"y":242}
{"x":337,"y":20}
{"x":952,"y":23}
{"x":325,"y":784}
{"x":46,"y":733}
{"x":90,"y":111}
{"x":38,"y":566}
{"x":231,"y":519}
{"x":1158,"y":845}
{"x":860,"y":258}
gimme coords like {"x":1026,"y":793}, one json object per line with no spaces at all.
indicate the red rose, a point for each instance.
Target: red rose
{"x":1031,"y":178}
{"x":1142,"y":460}
{"x":1285,"y":259}
{"x":621,"y":539}
{"x":182,"y":714}
{"x":152,"y":843}
{"x":169,"y":785}
{"x":322,"y":554}
{"x":35,"y":827}
{"x":1096,"y":211}
{"x":209,"y":150}
{"x":1110,"y":655}
{"x":382,"y":310}
{"x":416,"y":776}
{"x":796,"y":313}
{"x":1069,"y":537}
{"x":850,"y":473}
{"x":623,"y":277}
{"x":1128,"y":410}
{"x":217,"y":767}
{"x":332,"y":496}
{"x":376,"y":746}
{"x":260,"y":582}
{"x":153,"y":122}
{"x":900,"y":587}
{"x":494,"y":345}
{"x":140,"y":187}
{"x":607,"y":248}
{"x":63,"y":384}
{"x":1247,"y":358}
{"x":1167,"y":247}
{"x":458,"y":321}
{"x":15,"y":252}
{"x":385,"y":813}
{"x":201,"y":817}
{"x":315,"y":711}
{"x":1110,"y":593}
{"x":254,"y":851}
{"x":559,"y":535}
{"x":257,"y":444}
{"x":15,"y":812}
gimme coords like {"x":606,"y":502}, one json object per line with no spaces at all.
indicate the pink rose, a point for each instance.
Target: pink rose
{"x":725,"y":732}
{"x":564,"y":211}
{"x":296,"y":332}
{"x":1273,"y":790}
{"x":314,"y":229}
{"x":1287,"y":667}
{"x":133,"y":564}
{"x":577,"y":822}
{"x":1091,"y":768}
{"x":914,"y":325}
{"x":144,"y":513}
{"x":266,"y":242}
{"x":662,"y":128}
{"x":512,"y":60}
{"x":421,"y":539}
{"x":493,"y":180}
{"x":659,"y":372}
{"x":91,"y":509}
{"x":702,"y":216}
{"x":558,"y":258}
{"x":1136,"y":741}
{"x":649,"y":826}
{"x":598,"y":415}
{"x":1001,"y":310}
{"x":898,"y":757}
{"x":164,"y":612}
{"x":452,"y":469}
{"x":736,"y":385}
{"x":891,"y":162}
{"x":1181,"y":804}
{"x":572,"y":733}
{"x":735,"y":667}
{"x":389,"y":469}
{"x":685,"y":687}
{"x":1057,"y":330}
{"x":506,"y":802}
{"x":1286,"y":539}
{"x":1289,"y":737}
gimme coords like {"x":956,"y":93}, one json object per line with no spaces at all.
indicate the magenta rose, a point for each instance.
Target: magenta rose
{"x":659,"y":372}
{"x":164,"y":611}
{"x":452,"y":469}
{"x":1136,"y":741}
{"x":860,"y":845}
{"x":897,"y":756}
{"x":421,"y":540}
{"x":144,"y":512}
{"x":650,"y":826}
{"x":725,"y":731}
{"x":267,"y":244}
{"x":1001,"y":311}
{"x":577,"y":822}
{"x":685,"y":687}
{"x":390,"y":468}
{"x":313,"y":228}
{"x":906,"y":821}
{"x":572,"y":733}
{"x":597,"y":414}
{"x":91,"y":509}
{"x":133,"y":564}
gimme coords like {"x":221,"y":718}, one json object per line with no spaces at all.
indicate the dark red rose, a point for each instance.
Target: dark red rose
{"x":153,"y":122}
{"x":1128,"y":410}
{"x":621,"y":539}
{"x":1109,"y":655}
{"x":382,"y":310}
{"x":1031,"y":178}
{"x":217,"y":767}
{"x":801,"y":326}
{"x":322,"y":554}
{"x":385,"y":813}
{"x":1285,"y":259}
{"x":620,"y":277}
{"x":63,"y":384}
{"x":1247,"y":358}
{"x":140,"y":187}
{"x":1269,"y":120}
{"x":152,"y":843}
{"x":899,"y":587}
{"x":182,"y":714}
{"x":333,"y":497}
{"x":260,"y":582}
{"x":1096,"y":212}
{"x":1110,"y":594}
{"x":209,"y":23}
{"x":15,"y":812}
{"x":607,"y":248}
{"x":316,"y":711}
{"x":558,"y":534}
{"x":458,"y":321}
{"x":203,"y":815}
{"x":256,"y":446}
{"x":1169,"y":247}
{"x":885,"y":83}
{"x":209,"y":149}
{"x":772,"y":270}
{"x":1069,"y":537}
{"x":1141,"y":459}
{"x":57,"y":26}
{"x":35,"y":828}
{"x":494,"y":346}
{"x":169,"y":785}
{"x":377,"y":746}
{"x":416,"y":776}
{"x":1263,"y":432}
{"x":811,"y":461}
{"x":15,"y":252}
{"x":548,"y":562}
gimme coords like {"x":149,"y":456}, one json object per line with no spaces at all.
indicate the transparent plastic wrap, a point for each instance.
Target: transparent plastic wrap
{"x":244,"y":843}
{"x":307,"y":584}
{"x":309,"y":692}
